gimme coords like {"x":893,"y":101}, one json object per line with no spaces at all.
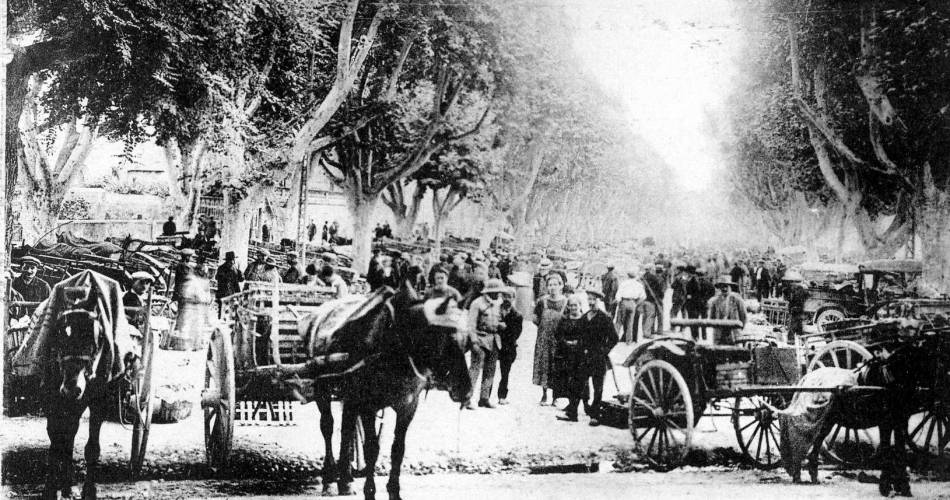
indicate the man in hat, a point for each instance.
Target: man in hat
{"x":694,"y":306}
{"x":544,"y":267}
{"x":254,"y":268}
{"x":31,"y":288}
{"x":795,"y":293}
{"x":760,"y":280}
{"x":609,"y":283}
{"x":311,"y":230}
{"x":268,"y":272}
{"x":493,"y":270}
{"x":630,"y":293}
{"x":168,"y":228}
{"x":726,"y":304}
{"x":603,"y":338}
{"x":229,"y":279}
{"x":680,"y":280}
{"x":513,"y":322}
{"x":292,"y":274}
{"x":184,"y":268}
{"x":137,"y":296}
{"x":655,"y":287}
{"x":484,"y":317}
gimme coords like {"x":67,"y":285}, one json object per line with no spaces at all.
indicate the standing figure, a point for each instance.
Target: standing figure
{"x":548,"y":311}
{"x":311,"y":230}
{"x":761,"y":281}
{"x":795,"y":293}
{"x":695,"y":304}
{"x":169,"y":228}
{"x":609,"y":283}
{"x":726,"y":304}
{"x":292,"y":274}
{"x":513,"y":323}
{"x":603,"y":337}
{"x":570,"y":371}
{"x":655,"y":287}
{"x":540,"y":277}
{"x":630,"y":293}
{"x":137,"y":296}
{"x":678,"y":285}
{"x":484,"y":315}
{"x":229,"y":279}
{"x":265,"y":233}
{"x":325,"y":233}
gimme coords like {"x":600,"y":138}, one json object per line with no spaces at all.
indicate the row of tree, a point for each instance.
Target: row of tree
{"x":479,"y":101}
{"x":842,"y":121}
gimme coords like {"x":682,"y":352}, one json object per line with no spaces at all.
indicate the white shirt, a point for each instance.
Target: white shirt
{"x":631,"y":289}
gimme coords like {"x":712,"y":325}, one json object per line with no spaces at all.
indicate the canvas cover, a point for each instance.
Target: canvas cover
{"x":34,"y":354}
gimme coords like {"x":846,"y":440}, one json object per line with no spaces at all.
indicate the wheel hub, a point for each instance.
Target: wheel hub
{"x":659,"y":412}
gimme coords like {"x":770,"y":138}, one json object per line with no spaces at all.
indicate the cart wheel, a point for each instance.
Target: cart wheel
{"x":757,"y":429}
{"x":839,"y":354}
{"x":661,"y":414}
{"x":218,"y":400}
{"x":844,"y":445}
{"x":829,"y":315}
{"x":930,"y":430}
{"x":142,"y":407}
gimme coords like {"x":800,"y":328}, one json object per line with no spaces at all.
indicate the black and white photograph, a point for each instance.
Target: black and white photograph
{"x":475,"y":249}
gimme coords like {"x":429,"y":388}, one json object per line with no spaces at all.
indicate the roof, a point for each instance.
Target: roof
{"x":894,"y":265}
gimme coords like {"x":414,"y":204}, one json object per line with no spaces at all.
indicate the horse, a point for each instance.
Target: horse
{"x":83,"y":363}
{"x":402,"y":349}
{"x":915,"y":367}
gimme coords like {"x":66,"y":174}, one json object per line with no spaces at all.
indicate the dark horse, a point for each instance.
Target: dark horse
{"x":401,"y":349}
{"x":83,"y":363}
{"x":908,"y":375}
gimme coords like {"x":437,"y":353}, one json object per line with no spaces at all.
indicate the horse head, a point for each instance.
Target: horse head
{"x":77,"y":342}
{"x":438,"y":340}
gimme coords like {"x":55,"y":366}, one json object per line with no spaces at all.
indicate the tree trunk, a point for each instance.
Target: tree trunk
{"x":407,"y":220}
{"x":933,"y":224}
{"x":361,"y":207}
{"x":39,"y":211}
{"x":236,"y":226}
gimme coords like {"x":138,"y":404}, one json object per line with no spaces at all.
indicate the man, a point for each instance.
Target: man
{"x":267,"y":272}
{"x":695,"y":302}
{"x":540,"y":278}
{"x":439,"y":285}
{"x":257,"y":266}
{"x":476,"y":286}
{"x":31,"y":288}
{"x":137,"y":296}
{"x":609,"y":283}
{"x":484,"y":316}
{"x":493,"y":269}
{"x":504,"y":267}
{"x":184,"y":269}
{"x":603,"y":339}
{"x":292,"y":274}
{"x":229,"y":279}
{"x":630,"y":293}
{"x":796,"y":294}
{"x":334,"y":281}
{"x":678,"y":285}
{"x":311,"y":231}
{"x":513,"y":321}
{"x":778,"y":277}
{"x":334,"y":229}
{"x":168,"y":228}
{"x":737,"y":274}
{"x":652,"y":308}
{"x":459,"y":275}
{"x":325,"y":233}
{"x":760,"y":281}
{"x":726,"y":304}
{"x":265,"y":233}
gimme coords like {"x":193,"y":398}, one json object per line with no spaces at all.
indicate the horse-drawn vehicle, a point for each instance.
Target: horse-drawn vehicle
{"x":294,"y":342}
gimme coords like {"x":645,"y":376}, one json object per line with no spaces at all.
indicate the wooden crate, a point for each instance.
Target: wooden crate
{"x":775,"y":365}
{"x":733,"y":375}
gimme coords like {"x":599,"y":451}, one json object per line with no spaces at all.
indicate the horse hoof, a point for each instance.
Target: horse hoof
{"x":329,"y":490}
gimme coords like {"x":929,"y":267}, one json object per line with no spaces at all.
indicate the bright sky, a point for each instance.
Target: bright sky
{"x":671,"y":62}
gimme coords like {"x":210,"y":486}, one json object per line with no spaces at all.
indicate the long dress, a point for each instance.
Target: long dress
{"x":570,"y":367}
{"x":547,"y":313}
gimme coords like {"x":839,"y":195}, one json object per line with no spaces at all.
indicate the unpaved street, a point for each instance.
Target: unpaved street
{"x":449,"y":455}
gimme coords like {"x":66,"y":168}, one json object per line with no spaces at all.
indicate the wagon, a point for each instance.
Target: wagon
{"x":251,"y":357}
{"x":677,"y":380}
{"x":850,"y":342}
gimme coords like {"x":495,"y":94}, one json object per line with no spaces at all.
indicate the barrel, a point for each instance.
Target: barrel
{"x":193,"y":324}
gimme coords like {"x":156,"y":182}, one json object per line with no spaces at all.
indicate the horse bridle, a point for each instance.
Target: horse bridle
{"x":91,"y":361}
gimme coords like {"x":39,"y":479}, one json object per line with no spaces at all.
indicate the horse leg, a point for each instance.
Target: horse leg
{"x":404,"y":417}
{"x":901,"y":478}
{"x":329,"y":472}
{"x":886,"y":457}
{"x":56,"y":457}
{"x":96,"y":416}
{"x":823,"y":429}
{"x":370,"y":451}
{"x":347,"y":430}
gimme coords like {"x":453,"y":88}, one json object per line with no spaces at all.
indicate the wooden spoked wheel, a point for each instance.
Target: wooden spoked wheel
{"x":142,"y":405}
{"x":844,"y":445}
{"x":661,"y":414}
{"x":758,"y":430}
{"x":218,"y":400}
{"x":930,"y":430}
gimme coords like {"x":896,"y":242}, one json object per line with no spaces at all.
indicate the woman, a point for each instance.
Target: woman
{"x":547,"y":313}
{"x":570,"y":367}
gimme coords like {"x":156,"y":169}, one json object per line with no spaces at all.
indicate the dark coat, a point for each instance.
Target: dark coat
{"x":604,"y":338}
{"x":655,"y":288}
{"x":762,"y":283}
{"x":609,"y":283}
{"x":570,"y":368}
{"x":511,"y":332}
{"x":34,"y":291}
{"x":229,"y":280}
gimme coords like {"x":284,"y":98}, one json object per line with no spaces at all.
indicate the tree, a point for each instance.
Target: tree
{"x":866,"y":83}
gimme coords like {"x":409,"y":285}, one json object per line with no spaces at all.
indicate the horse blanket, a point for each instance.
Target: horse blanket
{"x":800,"y":421}
{"x":34,"y":354}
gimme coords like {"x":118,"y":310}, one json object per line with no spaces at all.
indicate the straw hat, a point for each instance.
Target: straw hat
{"x":494,"y":285}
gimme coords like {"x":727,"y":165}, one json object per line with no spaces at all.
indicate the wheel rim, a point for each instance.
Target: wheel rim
{"x":661,"y":415}
{"x":846,"y":445}
{"x":930,"y":431}
{"x":758,"y":430}
{"x":829,"y":316}
{"x":142,"y":387}
{"x":218,"y":411}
